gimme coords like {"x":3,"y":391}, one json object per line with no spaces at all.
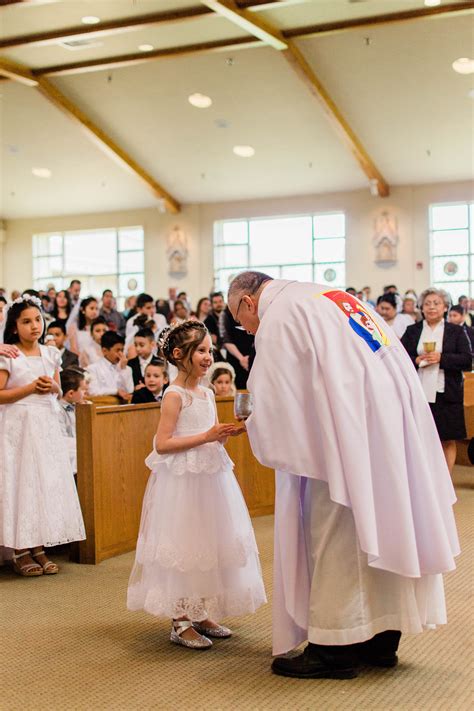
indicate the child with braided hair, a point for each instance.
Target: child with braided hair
{"x":196,"y":558}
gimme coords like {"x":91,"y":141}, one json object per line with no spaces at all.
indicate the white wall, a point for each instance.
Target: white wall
{"x":409,"y":203}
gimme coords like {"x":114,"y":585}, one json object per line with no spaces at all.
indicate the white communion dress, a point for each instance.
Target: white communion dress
{"x":39,"y":505}
{"x":196,"y":552}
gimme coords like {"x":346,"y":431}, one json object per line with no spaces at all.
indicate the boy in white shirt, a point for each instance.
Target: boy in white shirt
{"x":73,"y":385}
{"x":145,"y":306}
{"x":110,"y":375}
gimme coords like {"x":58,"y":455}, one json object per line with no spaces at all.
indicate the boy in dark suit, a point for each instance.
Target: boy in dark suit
{"x":144,"y":342}
{"x":57,"y":330}
{"x":156,"y":381}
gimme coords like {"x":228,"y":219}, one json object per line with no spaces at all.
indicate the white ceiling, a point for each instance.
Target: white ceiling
{"x":398,"y":92}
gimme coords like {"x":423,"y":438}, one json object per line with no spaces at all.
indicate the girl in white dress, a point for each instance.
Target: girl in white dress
{"x":196,"y":559}
{"x":79,"y":332}
{"x":39,"y":505}
{"x":92,"y":352}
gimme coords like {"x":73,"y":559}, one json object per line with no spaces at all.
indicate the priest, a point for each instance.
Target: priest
{"x":364,"y":525}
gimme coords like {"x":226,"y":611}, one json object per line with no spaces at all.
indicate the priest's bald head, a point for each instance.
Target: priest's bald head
{"x":243,"y":297}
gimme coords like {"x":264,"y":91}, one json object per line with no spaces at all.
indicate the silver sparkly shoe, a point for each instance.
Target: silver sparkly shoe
{"x":180,"y":626}
{"x":218,"y":632}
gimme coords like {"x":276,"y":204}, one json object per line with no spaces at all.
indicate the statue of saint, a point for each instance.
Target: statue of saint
{"x":385,"y":239}
{"x":177,"y":252}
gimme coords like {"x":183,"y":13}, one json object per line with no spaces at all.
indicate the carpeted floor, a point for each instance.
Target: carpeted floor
{"x":67,"y":642}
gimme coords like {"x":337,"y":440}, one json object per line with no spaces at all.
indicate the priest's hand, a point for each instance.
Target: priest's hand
{"x":238,"y":429}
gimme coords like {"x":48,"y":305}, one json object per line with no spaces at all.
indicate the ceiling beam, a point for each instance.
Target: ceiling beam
{"x":117,"y":26}
{"x":246,"y":42}
{"x":104,"y":141}
{"x":23,"y":75}
{"x":248,"y":21}
{"x":121,"y":25}
{"x":110,"y":27}
{"x":128,"y":60}
{"x":298,"y":62}
{"x":374,"y":20}
{"x":302,"y":68}
{"x":17,"y":72}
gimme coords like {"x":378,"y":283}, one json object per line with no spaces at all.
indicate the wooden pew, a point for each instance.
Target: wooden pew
{"x":461,"y":456}
{"x":112,"y":444}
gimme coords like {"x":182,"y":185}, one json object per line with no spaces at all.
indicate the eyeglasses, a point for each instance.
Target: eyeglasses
{"x":237,"y":312}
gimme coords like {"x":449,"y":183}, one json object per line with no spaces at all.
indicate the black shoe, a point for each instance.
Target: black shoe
{"x":380,"y":651}
{"x":313,"y":666}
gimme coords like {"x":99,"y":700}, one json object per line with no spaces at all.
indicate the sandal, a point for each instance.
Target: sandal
{"x":28,"y":570}
{"x":49,"y":568}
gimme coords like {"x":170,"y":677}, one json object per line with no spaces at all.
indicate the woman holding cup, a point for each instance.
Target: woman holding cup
{"x":441,"y":351}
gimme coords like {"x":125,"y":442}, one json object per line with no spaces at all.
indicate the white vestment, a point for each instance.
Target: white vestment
{"x":337,"y":399}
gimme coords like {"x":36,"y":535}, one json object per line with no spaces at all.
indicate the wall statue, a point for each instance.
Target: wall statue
{"x":385,"y":239}
{"x":177,"y":252}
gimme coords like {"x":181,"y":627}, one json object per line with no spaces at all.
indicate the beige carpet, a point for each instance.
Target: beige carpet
{"x":67,"y":642}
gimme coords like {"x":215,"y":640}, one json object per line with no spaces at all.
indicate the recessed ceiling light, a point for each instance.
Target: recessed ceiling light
{"x":432,"y":3}
{"x":200,"y":101}
{"x":244,"y":151}
{"x":463,"y":65}
{"x":145,"y":47}
{"x":41,"y":172}
{"x":90,"y":20}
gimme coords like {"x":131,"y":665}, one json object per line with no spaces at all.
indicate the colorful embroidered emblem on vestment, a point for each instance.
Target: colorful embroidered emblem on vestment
{"x":360,"y":318}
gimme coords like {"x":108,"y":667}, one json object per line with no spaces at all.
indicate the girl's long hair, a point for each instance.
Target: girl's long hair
{"x":82,"y":321}
{"x":68,"y":307}
{"x":10,"y":334}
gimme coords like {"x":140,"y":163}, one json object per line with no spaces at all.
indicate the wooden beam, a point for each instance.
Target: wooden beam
{"x":125,"y":60}
{"x":100,"y":137}
{"x":298,"y":62}
{"x":117,"y":26}
{"x":374,"y":20}
{"x":248,"y":21}
{"x":110,"y":27}
{"x":128,"y":60}
{"x":17,"y":72}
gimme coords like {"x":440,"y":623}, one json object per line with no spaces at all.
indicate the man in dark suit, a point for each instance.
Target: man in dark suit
{"x":212,"y":323}
{"x":57,"y":330}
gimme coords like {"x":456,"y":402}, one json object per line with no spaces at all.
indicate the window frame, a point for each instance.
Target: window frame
{"x":220,"y":245}
{"x":63,"y":277}
{"x":453,"y":256}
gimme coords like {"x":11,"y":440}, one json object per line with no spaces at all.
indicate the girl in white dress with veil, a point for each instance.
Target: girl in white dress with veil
{"x":39,"y":505}
{"x":196,"y":559}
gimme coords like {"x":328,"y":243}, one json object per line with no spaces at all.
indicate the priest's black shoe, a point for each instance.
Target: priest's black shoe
{"x":315,"y":664}
{"x":380,"y":651}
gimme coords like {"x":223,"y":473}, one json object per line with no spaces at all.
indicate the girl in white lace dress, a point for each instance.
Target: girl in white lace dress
{"x":196,"y":559}
{"x":39,"y":505}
